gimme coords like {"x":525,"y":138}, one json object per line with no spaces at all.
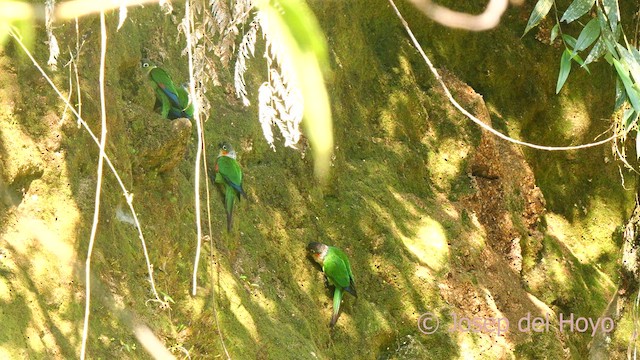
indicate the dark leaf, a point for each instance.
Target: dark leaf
{"x":588,"y":35}
{"x":630,"y":62}
{"x":629,"y":118}
{"x":570,"y":40}
{"x":565,"y":69}
{"x":638,"y":144}
{"x":621,"y":96}
{"x":632,"y":93}
{"x":577,"y":9}
{"x":596,"y":52}
{"x":607,"y":35}
{"x":612,"y":10}
{"x":554,"y":32}
{"x":538,"y":13}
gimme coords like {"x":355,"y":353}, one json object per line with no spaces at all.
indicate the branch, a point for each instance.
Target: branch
{"x":96,"y":211}
{"x":489,"y":19}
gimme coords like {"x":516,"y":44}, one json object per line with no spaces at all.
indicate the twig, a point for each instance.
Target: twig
{"x":489,"y":19}
{"x":66,"y":106}
{"x":201,"y":150}
{"x":196,"y":118}
{"x":211,"y":259}
{"x":77,"y":8}
{"x":128,"y":196}
{"x":475,"y":119}
{"x":75,"y":67}
{"x":96,"y":211}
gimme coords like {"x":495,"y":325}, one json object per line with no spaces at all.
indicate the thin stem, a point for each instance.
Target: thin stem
{"x":128,"y":196}
{"x":96,"y":211}
{"x":196,"y":118}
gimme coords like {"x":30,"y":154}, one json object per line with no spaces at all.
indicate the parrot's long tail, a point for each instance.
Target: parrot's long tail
{"x":337,"y":298}
{"x":229,"y":198}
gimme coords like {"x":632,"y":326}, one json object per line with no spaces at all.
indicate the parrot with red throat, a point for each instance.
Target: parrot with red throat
{"x":229,"y":174}
{"x":337,"y":271}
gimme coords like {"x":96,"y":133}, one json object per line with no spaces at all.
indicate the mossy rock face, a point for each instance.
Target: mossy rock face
{"x":435,"y":214}
{"x":156,"y":143}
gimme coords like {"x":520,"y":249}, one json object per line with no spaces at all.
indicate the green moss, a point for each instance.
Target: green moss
{"x":396,"y":203}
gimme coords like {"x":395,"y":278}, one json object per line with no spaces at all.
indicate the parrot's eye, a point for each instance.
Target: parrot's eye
{"x":224,"y":147}
{"x":145,"y":65}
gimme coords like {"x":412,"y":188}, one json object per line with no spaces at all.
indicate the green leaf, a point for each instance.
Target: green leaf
{"x":609,"y":39}
{"x":638,"y":144}
{"x":539,"y":12}
{"x":630,"y":62}
{"x":596,"y":52}
{"x":579,"y":60}
{"x":565,"y":69}
{"x":302,"y":40}
{"x":612,"y":10}
{"x":570,"y":40}
{"x":636,"y":54}
{"x":554,"y":32}
{"x":632,"y":93}
{"x":621,"y":96}
{"x":609,"y":58}
{"x":629,"y":118}
{"x":577,"y":9}
{"x":588,"y":35}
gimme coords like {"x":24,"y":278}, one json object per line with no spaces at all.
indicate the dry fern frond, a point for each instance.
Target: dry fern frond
{"x":54,"y":49}
{"x":123,"y":13}
{"x":246,"y":49}
{"x":166,"y":6}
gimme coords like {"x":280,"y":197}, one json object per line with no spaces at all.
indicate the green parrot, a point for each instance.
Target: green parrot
{"x":184,"y":99}
{"x":167,"y":95}
{"x":229,"y":174}
{"x":337,"y":272}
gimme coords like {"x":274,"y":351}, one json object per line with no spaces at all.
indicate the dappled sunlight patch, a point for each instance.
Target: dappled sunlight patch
{"x":22,"y":157}
{"x":504,"y":345}
{"x":575,"y":122}
{"x":408,"y":205}
{"x":559,"y":272}
{"x":389,"y":115}
{"x":376,"y":319}
{"x":196,"y":305}
{"x":429,"y":244}
{"x":447,"y":162}
{"x":448,"y":208}
{"x":33,"y":340}
{"x":231,"y":291}
{"x":542,"y":307}
{"x":259,"y":298}
{"x":477,"y":238}
{"x":5,"y":291}
{"x":470,"y":345}
{"x":423,"y":273}
{"x":45,"y":247}
{"x":591,"y":238}
{"x":5,"y":353}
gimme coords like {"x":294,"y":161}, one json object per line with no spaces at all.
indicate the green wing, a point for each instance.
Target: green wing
{"x":185,"y":104}
{"x":163,"y":81}
{"x":336,"y":269}
{"x":228,"y":172}
{"x":164,"y":101}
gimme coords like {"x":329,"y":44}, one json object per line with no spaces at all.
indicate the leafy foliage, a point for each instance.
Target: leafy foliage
{"x":604,"y":35}
{"x":17,"y":17}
